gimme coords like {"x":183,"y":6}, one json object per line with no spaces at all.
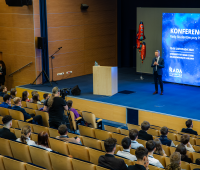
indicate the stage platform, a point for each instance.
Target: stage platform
{"x":180,"y":101}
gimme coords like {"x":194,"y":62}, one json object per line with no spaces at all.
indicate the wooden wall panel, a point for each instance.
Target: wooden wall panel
{"x":86,"y":36}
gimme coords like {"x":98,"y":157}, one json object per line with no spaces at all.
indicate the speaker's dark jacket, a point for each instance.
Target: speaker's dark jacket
{"x":144,"y":135}
{"x":159,"y":67}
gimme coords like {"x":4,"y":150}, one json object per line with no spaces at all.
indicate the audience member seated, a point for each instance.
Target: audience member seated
{"x":13,"y":93}
{"x":25,"y":95}
{"x":7,"y":101}
{"x":159,"y":150}
{"x":185,"y":140}
{"x":142,"y":163}
{"x":62,"y":130}
{"x":108,"y":160}
{"x":5,"y":131}
{"x":36,"y":99}
{"x":126,"y":144}
{"x":56,"y":105}
{"x":175,"y":162}
{"x":45,"y":96}
{"x":43,"y":138}
{"x":163,"y":138}
{"x":3,"y":90}
{"x":189,"y":129}
{"x":33,"y":93}
{"x":133,"y":135}
{"x":25,"y":136}
{"x":69,"y":103}
{"x":151,"y":147}
{"x":36,"y":119}
{"x":182,"y":150}
{"x":143,"y":133}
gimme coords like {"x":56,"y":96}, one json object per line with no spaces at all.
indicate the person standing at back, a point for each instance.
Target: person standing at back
{"x":56,"y":105}
{"x":189,"y":129}
{"x":143,"y":133}
{"x":2,"y":72}
{"x":5,"y":131}
{"x":157,"y":64}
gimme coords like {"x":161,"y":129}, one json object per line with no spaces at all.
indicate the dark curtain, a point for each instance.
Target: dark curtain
{"x":44,"y":33}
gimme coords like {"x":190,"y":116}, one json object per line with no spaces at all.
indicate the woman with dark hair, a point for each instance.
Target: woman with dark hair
{"x":25,"y":95}
{"x":13,"y":93}
{"x":182,"y":150}
{"x":43,"y":140}
{"x":69,"y":103}
{"x":2,"y":72}
{"x":159,"y":150}
{"x":36,"y":99}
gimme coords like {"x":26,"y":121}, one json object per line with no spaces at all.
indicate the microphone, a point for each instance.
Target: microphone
{"x":59,"y":48}
{"x":156,"y":60}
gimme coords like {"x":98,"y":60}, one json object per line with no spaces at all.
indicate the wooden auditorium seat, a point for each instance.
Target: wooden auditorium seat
{"x":194,"y":166}
{"x":151,"y":167}
{"x":24,"y":104}
{"x":196,"y":148}
{"x":4,"y":111}
{"x":143,"y":142}
{"x":102,"y":134}
{"x":17,"y":132}
{"x":20,"y":151}
{"x":118,"y":137}
{"x":172,"y":150}
{"x":16,"y":114}
{"x":78,"y":151}
{"x":1,"y":117}
{"x":38,"y":128}
{"x":40,"y":157}
{"x":13,"y":164}
{"x":89,"y":117}
{"x":132,"y":126}
{"x":1,"y":163}
{"x":172,"y":136}
{"x":132,"y":151}
{"x":195,"y":155}
{"x":29,"y":110}
{"x":86,"y":131}
{"x":53,"y":132}
{"x":78,"y":165}
{"x":60,"y":162}
{"x":34,"y":167}
{"x":100,"y":168}
{"x":94,"y":155}
{"x":160,"y":158}
{"x":127,"y":161}
{"x":39,"y":106}
{"x":5,"y":147}
{"x":59,"y":146}
{"x":1,"y":99}
{"x":15,"y":123}
{"x":34,"y":137}
{"x":74,"y":121}
{"x":111,"y":129}
{"x":124,"y":132}
{"x":45,"y":117}
{"x":22,"y":124}
{"x":32,"y":105}
{"x":91,"y":142}
{"x":153,"y":132}
{"x":166,"y":149}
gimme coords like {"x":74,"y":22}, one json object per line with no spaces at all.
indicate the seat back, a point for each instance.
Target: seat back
{"x":59,"y":146}
{"x":34,"y":137}
{"x":4,"y":111}
{"x":197,"y":141}
{"x":1,"y":163}
{"x":15,"y":123}
{"x":176,"y":142}
{"x":166,"y":149}
{"x":143,"y":142}
{"x":45,"y":117}
{"x":20,"y":151}
{"x":124,"y":132}
{"x":17,"y":132}
{"x":24,"y":104}
{"x":29,"y":110}
{"x":89,"y":117}
{"x":71,"y":119}
{"x":78,"y":151}
{"x":38,"y":129}
{"x":132,"y":126}
{"x":16,"y":114}
{"x":111,"y":129}
{"x":153,"y":132}
{"x":32,"y":167}
{"x":151,"y":167}
{"x":160,"y":158}
{"x":86,"y":131}
{"x":167,"y":161}
{"x":91,"y":142}
{"x":155,"y":127}
{"x":172,"y":136}
{"x":60,"y":162}
{"x":53,"y":132}
{"x":22,"y":124}
{"x":39,"y":106}
{"x":195,"y":155}
{"x":1,"y":117}
{"x":12,"y":164}
{"x":40,"y":157}
{"x":1,"y":99}
{"x":119,"y":137}
{"x":32,"y":105}
{"x":196,"y":148}
{"x":127,"y":161}
{"x":102,"y":134}
{"x":194,"y":166}
{"x":94,"y":155}
{"x":5,"y":147}
{"x":77,"y":165}
{"x":185,"y":165}
{"x":132,"y":151}
{"x":100,"y":168}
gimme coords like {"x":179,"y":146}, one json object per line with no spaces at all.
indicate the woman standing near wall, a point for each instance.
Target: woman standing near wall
{"x":2,"y":72}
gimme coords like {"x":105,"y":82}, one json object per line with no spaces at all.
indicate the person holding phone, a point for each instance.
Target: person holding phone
{"x":2,"y":72}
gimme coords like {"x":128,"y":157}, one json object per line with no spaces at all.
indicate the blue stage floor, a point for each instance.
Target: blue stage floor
{"x":178,"y":100}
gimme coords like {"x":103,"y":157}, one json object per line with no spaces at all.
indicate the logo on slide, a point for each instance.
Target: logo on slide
{"x":175,"y":72}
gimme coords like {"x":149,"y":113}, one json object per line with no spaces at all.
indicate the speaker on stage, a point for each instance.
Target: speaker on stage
{"x":18,"y":2}
{"x":75,"y":90}
{"x":41,"y":42}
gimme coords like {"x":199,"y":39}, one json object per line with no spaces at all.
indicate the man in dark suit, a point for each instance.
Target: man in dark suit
{"x":189,"y":129}
{"x":108,"y":160}
{"x":157,"y":64}
{"x":143,"y":133}
{"x":5,"y":131}
{"x":142,"y":162}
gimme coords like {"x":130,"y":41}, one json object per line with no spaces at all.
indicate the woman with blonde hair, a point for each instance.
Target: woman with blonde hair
{"x":175,"y":162}
{"x":56,"y":105}
{"x":25,"y":136}
{"x":159,"y":150}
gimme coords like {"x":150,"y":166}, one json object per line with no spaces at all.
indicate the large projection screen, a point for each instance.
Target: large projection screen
{"x":181,"y":66}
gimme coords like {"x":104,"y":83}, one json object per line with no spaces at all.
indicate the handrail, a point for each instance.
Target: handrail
{"x":20,"y":68}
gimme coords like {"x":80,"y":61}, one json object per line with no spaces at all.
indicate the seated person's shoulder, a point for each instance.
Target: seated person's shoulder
{"x":183,"y":130}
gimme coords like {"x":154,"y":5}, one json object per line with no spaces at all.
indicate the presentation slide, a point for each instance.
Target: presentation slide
{"x":181,"y":47}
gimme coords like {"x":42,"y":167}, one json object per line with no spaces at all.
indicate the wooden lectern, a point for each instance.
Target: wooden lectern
{"x":105,"y":80}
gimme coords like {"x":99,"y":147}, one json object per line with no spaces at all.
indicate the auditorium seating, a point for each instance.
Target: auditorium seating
{"x":45,"y":117}
{"x":92,"y":142}
{"x":89,"y":117}
{"x":112,"y":129}
{"x":4,"y":111}
{"x":32,"y":105}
